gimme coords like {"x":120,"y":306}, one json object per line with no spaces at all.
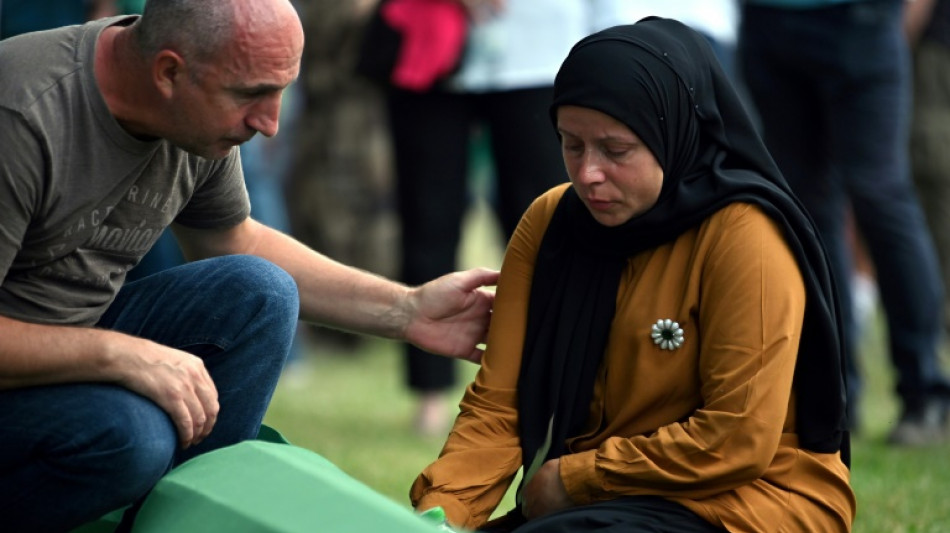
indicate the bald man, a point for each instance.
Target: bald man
{"x":109,"y":133}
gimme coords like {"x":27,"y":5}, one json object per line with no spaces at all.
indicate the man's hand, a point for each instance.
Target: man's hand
{"x":545,"y":493}
{"x":450,"y":315}
{"x":40,"y":354}
{"x":178,"y":382}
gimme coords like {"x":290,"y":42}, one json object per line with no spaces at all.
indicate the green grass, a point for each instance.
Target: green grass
{"x":353,"y":409}
{"x":899,"y":489}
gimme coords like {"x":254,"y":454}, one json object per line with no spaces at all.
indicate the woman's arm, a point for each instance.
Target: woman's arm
{"x":483,"y":451}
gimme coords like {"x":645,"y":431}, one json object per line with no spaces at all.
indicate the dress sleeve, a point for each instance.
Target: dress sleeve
{"x":751,"y":306}
{"x":483,"y":452}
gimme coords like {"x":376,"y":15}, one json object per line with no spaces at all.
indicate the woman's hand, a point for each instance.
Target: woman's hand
{"x":545,"y":493}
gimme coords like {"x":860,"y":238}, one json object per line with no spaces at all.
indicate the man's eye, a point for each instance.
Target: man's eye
{"x":253,"y":94}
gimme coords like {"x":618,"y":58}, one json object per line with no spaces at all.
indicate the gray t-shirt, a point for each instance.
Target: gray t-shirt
{"x":81,"y":200}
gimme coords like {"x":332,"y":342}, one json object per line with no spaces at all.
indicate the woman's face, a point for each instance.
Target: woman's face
{"x":613,"y":172}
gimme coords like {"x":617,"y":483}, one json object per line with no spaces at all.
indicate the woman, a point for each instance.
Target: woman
{"x":665,"y":349}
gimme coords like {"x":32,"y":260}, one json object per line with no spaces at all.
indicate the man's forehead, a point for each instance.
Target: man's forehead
{"x":250,"y":67}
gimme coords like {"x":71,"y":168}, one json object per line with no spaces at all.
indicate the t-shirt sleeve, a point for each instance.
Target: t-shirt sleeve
{"x":220,"y":199}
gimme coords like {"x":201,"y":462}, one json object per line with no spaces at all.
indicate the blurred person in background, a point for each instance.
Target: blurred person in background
{"x":508,"y":52}
{"x":830,"y":81}
{"x":339,"y":190}
{"x":23,"y":16}
{"x":717,"y":20}
{"x":927,"y":23}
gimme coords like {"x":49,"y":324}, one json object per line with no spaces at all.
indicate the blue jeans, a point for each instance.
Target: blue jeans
{"x":71,"y":453}
{"x":832,"y":88}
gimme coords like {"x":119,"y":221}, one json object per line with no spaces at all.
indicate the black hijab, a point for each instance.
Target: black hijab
{"x":662,"y":80}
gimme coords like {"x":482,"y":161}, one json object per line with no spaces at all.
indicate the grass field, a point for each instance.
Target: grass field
{"x":353,"y":409}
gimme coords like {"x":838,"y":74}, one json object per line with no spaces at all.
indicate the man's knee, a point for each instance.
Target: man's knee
{"x":251,"y":280}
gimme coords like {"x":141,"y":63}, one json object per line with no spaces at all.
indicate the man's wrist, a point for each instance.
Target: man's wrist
{"x":397,"y":321}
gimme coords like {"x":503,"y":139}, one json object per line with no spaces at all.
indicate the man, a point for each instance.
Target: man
{"x":109,"y":132}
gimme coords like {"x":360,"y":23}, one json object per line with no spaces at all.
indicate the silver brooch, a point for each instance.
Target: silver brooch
{"x":667,"y":334}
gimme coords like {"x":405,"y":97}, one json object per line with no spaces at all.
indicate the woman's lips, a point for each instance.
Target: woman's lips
{"x":598,"y":204}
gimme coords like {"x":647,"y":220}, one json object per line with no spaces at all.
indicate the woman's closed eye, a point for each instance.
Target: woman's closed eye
{"x":616,"y":153}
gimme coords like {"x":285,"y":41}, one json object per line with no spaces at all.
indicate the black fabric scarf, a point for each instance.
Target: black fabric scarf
{"x":662,"y":80}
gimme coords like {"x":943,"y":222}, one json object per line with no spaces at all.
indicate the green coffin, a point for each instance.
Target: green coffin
{"x":265,"y":486}
{"x":258,"y":486}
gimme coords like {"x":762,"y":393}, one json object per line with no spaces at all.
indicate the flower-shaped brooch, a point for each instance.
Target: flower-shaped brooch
{"x":667,"y":334}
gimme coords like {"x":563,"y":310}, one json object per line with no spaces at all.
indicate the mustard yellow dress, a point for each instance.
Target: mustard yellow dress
{"x":709,"y":424}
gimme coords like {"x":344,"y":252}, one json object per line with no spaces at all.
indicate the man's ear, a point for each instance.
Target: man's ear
{"x":168,"y":70}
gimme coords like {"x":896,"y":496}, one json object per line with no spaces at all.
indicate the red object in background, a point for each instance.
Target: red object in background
{"x":433,"y":37}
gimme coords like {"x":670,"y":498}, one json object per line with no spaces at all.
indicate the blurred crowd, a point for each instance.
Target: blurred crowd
{"x":853,"y":100}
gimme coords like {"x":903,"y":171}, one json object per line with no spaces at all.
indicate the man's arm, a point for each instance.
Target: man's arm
{"x":35,"y":354}
{"x":447,"y":316}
